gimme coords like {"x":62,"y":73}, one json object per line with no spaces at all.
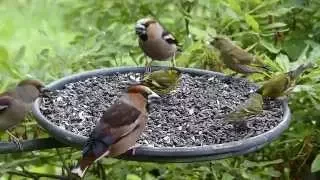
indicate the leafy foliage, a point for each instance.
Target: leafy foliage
{"x":51,"y":39}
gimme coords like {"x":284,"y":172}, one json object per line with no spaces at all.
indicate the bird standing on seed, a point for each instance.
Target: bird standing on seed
{"x":118,"y":129}
{"x":253,"y":106}
{"x":16,"y":103}
{"x":281,"y":84}
{"x":156,"y":42}
{"x":236,"y":58}
{"x":162,"y":81}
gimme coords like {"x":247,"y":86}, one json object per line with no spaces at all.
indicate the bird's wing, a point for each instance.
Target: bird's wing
{"x":167,"y":36}
{"x":3,"y":107}
{"x":117,"y":121}
{"x":170,"y":39}
{"x":240,"y":56}
{"x":4,"y":103}
{"x":128,"y":141}
{"x":246,"y":68}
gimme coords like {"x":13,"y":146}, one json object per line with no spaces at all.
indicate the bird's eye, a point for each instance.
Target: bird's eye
{"x":145,"y":94}
{"x":146,"y":24}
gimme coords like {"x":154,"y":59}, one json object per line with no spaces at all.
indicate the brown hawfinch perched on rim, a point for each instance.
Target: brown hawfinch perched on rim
{"x":16,"y":103}
{"x":156,"y":42}
{"x":118,"y":129}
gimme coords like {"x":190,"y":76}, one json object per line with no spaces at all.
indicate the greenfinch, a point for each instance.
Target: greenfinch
{"x":253,"y":106}
{"x":162,"y":81}
{"x":281,"y":84}
{"x":236,"y":58}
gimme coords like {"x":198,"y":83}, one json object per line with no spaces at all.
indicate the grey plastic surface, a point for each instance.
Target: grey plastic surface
{"x":165,"y":154}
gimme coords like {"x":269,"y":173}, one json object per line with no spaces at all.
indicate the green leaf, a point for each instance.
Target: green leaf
{"x":283,"y":62}
{"x":275,"y":25}
{"x":250,"y":20}
{"x":227,"y":176}
{"x":20,"y":54}
{"x":272,"y":172}
{"x":303,"y":56}
{"x":250,"y":164}
{"x":269,"y":46}
{"x":315,"y":167}
{"x":4,"y":55}
{"x":132,"y":177}
{"x":234,"y":5}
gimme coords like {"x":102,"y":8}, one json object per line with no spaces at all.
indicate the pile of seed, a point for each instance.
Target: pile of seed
{"x":193,"y":115}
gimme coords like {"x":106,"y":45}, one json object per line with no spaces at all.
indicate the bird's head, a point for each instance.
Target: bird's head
{"x":175,"y":71}
{"x":146,"y":92}
{"x":32,"y":82}
{"x":30,"y":89}
{"x":221,"y":43}
{"x":142,"y":25}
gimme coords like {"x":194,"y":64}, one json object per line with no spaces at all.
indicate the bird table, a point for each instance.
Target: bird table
{"x":61,"y":137}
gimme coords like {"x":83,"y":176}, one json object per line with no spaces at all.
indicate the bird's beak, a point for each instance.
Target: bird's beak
{"x":132,"y":81}
{"x":153,"y":98}
{"x":140,"y":29}
{"x":44,"y":92}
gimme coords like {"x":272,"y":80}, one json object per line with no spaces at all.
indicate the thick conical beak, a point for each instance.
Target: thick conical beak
{"x":154,"y":98}
{"x":140,"y":29}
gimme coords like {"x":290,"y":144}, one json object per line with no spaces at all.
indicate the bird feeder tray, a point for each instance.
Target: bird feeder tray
{"x":188,"y":153}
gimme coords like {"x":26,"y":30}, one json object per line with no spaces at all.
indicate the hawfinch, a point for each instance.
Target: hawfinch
{"x":16,"y":103}
{"x":156,"y":42}
{"x":118,"y":129}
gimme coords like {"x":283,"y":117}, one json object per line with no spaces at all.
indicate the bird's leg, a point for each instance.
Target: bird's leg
{"x":173,"y":60}
{"x":233,"y":74}
{"x":132,"y":150}
{"x":288,"y":91}
{"x":15,"y":140}
{"x":147,"y":66}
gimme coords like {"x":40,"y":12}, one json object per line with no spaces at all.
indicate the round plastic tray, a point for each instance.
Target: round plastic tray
{"x":164,"y":154}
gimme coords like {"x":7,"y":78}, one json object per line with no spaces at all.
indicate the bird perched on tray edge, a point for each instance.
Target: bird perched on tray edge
{"x":237,"y":59}
{"x":156,"y":42}
{"x":281,"y":84}
{"x":16,"y":103}
{"x":118,"y":129}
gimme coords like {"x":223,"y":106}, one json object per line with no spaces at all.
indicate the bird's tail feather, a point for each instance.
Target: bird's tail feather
{"x":94,"y":150}
{"x":297,"y":72}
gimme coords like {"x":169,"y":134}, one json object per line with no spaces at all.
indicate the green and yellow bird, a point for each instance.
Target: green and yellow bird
{"x":237,"y":59}
{"x":162,"y":81}
{"x":281,"y":84}
{"x":253,"y":106}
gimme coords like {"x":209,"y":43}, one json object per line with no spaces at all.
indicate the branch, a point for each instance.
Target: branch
{"x":35,"y":175}
{"x":30,"y":145}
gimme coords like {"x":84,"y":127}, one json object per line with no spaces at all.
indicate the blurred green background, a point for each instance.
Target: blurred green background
{"x":50,"y":39}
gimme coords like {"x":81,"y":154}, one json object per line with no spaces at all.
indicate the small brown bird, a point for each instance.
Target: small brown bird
{"x":156,"y":42}
{"x":16,"y":103}
{"x":236,"y":58}
{"x":118,"y":129}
